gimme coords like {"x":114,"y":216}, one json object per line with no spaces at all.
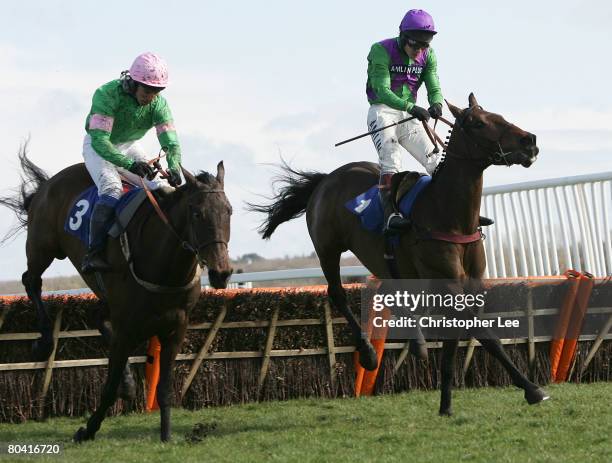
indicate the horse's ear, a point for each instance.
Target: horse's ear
{"x":453,"y":109}
{"x":220,"y":173}
{"x":189,"y":178}
{"x":472,"y":100}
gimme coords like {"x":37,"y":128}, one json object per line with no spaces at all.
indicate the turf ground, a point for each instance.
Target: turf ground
{"x":489,"y":425}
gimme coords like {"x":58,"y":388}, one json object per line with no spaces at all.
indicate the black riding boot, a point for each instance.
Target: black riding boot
{"x":393,"y":221}
{"x":101,"y":218}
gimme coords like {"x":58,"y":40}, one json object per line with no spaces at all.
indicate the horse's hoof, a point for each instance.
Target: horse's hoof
{"x":41,"y":350}
{"x":127,"y":389}
{"x":367,"y":355}
{"x":82,"y":435}
{"x":418,"y":350}
{"x":446,"y":412}
{"x":535,"y":396}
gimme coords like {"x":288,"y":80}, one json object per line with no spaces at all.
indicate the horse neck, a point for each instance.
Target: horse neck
{"x":163,"y":258}
{"x":457,"y":188}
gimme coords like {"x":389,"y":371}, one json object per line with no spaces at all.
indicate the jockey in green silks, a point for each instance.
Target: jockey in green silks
{"x":122,"y":112}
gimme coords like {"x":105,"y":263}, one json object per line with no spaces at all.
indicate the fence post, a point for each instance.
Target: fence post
{"x":3,"y":315}
{"x":50,"y":362}
{"x":596,"y":344}
{"x":266,"y":354}
{"x":204,"y":350}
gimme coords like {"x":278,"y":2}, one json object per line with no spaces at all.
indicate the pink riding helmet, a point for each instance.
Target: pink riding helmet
{"x":150,"y":69}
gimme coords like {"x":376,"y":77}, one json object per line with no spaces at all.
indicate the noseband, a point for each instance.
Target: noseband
{"x":197,"y":250}
{"x":185,"y":244}
{"x":496,"y":157}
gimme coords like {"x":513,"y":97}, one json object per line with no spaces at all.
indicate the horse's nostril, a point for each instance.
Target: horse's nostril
{"x":528,"y":140}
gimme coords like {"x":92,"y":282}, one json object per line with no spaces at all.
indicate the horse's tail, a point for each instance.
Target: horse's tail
{"x":291,"y":199}
{"x":19,"y":202}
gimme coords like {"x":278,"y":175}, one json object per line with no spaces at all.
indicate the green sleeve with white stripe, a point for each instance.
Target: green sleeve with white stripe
{"x":168,"y":139}
{"x":105,"y":104}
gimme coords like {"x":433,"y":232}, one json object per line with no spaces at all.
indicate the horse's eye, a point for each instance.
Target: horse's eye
{"x":478,"y":124}
{"x":196,"y":215}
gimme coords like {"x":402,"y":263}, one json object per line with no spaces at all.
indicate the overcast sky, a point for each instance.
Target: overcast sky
{"x":253,"y":80}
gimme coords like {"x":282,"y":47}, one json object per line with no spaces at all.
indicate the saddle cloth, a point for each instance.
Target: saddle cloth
{"x":77,"y":222}
{"x":368,"y":208}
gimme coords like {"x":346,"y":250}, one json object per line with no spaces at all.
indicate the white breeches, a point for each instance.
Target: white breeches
{"x":411,"y":135}
{"x":107,"y":176}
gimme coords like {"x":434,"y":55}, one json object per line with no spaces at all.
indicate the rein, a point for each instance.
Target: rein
{"x":153,"y":287}
{"x":433,"y":136}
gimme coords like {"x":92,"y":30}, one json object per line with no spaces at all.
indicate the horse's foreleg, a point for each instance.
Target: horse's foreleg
{"x":170,"y":346}
{"x":32,"y":282}
{"x":533,"y":393}
{"x":116,"y":364}
{"x":449,"y":352}
{"x":330,"y":264}
{"x":127,"y":388}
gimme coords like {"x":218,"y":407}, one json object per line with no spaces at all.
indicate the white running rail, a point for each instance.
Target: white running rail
{"x":541,"y":228}
{"x":548,"y":226}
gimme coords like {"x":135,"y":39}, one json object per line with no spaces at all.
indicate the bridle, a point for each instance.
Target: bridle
{"x":185,"y":244}
{"x":197,"y":250}
{"x":497,"y":156}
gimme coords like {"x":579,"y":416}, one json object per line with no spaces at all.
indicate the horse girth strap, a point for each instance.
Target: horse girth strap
{"x":452,"y":237}
{"x":154,"y":287}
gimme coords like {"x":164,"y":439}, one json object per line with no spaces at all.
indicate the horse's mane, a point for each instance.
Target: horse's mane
{"x":443,"y":157}
{"x":207,"y":178}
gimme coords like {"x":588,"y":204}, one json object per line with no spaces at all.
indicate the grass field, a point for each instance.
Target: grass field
{"x":489,"y":425}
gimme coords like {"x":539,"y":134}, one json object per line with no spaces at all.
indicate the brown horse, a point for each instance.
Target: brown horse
{"x":450,"y":204}
{"x":153,"y":295}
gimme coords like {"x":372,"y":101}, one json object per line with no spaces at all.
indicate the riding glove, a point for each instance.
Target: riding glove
{"x":435,"y":110}
{"x":420,"y":113}
{"x":174,"y":178}
{"x":142,"y":169}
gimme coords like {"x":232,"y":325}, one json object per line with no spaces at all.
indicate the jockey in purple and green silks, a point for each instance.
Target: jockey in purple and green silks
{"x":396,"y":69}
{"x":122,"y":112}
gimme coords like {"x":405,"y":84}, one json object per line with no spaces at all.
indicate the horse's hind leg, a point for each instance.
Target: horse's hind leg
{"x":330,"y":264}
{"x":127,"y":388}
{"x":38,"y":261}
{"x":533,"y":393}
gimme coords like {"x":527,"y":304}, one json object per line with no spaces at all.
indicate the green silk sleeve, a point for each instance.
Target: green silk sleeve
{"x":100,"y":142}
{"x":166,"y":133}
{"x":432,"y":82}
{"x":99,"y":127}
{"x":380,"y":80}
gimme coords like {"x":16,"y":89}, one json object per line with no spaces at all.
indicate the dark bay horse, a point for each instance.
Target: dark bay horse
{"x":450,"y":204}
{"x":154,"y":295}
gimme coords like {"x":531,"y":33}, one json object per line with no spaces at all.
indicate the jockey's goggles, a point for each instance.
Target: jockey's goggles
{"x":416,"y":44}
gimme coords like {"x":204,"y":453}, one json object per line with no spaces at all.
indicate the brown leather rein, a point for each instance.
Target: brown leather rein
{"x":184,"y":243}
{"x":437,"y":235}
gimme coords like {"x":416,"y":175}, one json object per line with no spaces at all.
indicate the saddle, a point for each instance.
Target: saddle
{"x":405,"y":189}
{"x":77,"y":221}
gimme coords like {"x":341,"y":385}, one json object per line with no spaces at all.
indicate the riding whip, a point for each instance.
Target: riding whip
{"x":374,"y":131}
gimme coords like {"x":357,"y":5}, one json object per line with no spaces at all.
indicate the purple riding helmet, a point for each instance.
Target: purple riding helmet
{"x":418,"y":20}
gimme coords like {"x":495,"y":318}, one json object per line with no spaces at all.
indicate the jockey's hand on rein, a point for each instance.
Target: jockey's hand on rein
{"x":420,"y":113}
{"x":142,"y":169}
{"x":435,"y":110}
{"x":174,"y":178}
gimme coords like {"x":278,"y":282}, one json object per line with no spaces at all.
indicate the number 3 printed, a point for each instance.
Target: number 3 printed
{"x":77,"y":220}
